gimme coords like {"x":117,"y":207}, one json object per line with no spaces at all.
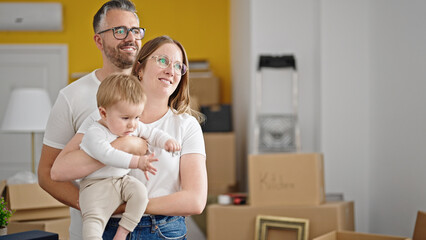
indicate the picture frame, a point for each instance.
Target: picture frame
{"x":265,"y":223}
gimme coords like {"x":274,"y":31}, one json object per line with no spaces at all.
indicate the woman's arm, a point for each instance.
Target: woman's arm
{"x":191,"y":200}
{"x":73,"y":163}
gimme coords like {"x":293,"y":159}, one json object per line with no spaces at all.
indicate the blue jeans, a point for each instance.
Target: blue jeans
{"x":151,"y":227}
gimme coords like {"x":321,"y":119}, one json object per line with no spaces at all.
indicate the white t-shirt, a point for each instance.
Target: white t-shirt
{"x":187,"y":131}
{"x":97,"y":144}
{"x":74,"y":103}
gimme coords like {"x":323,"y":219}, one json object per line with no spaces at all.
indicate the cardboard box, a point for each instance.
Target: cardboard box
{"x":59,"y":226}
{"x":420,"y":227}
{"x":31,"y":202}
{"x":221,"y":162}
{"x":206,"y":89}
{"x":237,"y":222}
{"x":286,"y":179}
{"x":199,"y":65}
{"x":346,"y":235}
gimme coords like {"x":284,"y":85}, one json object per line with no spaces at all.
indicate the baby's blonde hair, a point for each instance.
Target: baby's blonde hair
{"x":120,"y":87}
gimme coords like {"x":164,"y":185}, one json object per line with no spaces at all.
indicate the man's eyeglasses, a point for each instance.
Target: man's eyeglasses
{"x":122,"y":32}
{"x":163,"y":61}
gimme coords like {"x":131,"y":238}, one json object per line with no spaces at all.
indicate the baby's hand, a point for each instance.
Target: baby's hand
{"x":145,"y":164}
{"x":172,"y":146}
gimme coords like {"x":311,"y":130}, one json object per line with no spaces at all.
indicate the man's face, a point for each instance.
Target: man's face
{"x":121,"y":53}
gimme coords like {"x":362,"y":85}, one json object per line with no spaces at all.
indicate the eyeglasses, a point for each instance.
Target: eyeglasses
{"x":164,"y":62}
{"x":122,"y":32}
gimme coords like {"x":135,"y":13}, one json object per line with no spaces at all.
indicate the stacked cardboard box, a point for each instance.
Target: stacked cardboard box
{"x":286,"y":179}
{"x":221,"y":169}
{"x":346,"y":235}
{"x":282,"y":185}
{"x":35,"y":209}
{"x":204,"y":86}
{"x":220,"y":151}
{"x":218,"y":135}
{"x":237,"y":222}
{"x":58,"y":225}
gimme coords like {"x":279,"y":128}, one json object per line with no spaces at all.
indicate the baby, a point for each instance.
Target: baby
{"x":121,"y":101}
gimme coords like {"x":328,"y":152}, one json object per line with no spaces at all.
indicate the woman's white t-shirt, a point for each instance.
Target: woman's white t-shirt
{"x":182,"y":127}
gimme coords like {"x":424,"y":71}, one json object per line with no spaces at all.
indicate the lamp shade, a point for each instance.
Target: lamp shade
{"x":27,"y":111}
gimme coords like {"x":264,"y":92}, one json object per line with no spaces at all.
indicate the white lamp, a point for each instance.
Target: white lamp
{"x":27,"y":112}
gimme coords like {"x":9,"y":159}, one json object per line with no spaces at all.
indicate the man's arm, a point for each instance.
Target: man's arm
{"x":65,"y":192}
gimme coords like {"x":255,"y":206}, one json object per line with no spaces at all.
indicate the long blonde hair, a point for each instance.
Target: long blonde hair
{"x":180,"y":100}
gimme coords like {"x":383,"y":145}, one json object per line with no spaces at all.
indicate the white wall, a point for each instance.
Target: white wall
{"x":373,"y":56}
{"x":398,"y":115}
{"x":362,"y":74}
{"x":345,"y":124}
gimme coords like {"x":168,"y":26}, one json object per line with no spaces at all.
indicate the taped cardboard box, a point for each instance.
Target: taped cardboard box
{"x":237,"y":222}
{"x":31,"y":202}
{"x":59,"y":226}
{"x":206,"y":89}
{"x":286,"y":179}
{"x":346,"y":235}
{"x":221,"y":162}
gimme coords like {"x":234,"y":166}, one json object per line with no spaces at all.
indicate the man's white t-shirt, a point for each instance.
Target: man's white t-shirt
{"x":74,"y":103}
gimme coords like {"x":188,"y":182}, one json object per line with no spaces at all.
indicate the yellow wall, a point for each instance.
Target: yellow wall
{"x":201,"y":26}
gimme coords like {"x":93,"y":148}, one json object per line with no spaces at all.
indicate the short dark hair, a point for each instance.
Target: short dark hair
{"x":124,"y":5}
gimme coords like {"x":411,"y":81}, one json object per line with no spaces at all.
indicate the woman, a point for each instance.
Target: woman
{"x":180,"y":186}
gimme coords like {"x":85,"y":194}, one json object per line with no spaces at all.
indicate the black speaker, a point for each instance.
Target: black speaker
{"x":218,"y":118}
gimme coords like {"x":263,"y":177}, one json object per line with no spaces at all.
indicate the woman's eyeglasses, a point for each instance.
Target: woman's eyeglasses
{"x":122,"y":32}
{"x":164,"y":62}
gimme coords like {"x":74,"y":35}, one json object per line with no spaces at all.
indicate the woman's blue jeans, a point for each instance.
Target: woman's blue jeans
{"x":151,"y":227}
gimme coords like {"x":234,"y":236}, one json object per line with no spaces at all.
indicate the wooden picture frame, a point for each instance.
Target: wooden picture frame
{"x":265,"y":223}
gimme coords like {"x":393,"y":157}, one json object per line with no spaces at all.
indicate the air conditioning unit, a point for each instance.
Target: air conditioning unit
{"x":27,"y":16}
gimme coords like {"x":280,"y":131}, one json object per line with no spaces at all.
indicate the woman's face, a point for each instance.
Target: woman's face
{"x":160,"y":81}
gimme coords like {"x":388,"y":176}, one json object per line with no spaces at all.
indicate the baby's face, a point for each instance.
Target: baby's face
{"x":122,"y":118}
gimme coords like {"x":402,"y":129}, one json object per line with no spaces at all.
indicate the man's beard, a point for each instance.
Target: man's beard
{"x":119,"y":59}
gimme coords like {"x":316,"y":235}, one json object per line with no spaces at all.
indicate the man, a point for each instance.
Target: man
{"x":118,"y":37}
